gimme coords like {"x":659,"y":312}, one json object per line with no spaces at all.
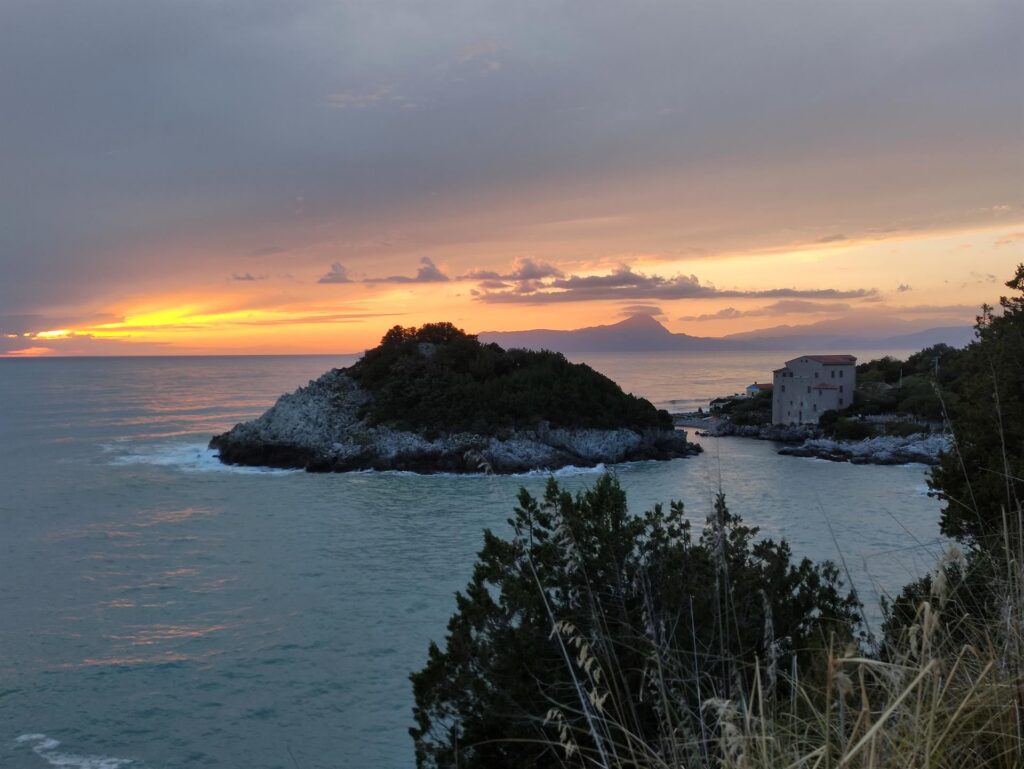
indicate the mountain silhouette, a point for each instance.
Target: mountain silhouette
{"x":643,"y":333}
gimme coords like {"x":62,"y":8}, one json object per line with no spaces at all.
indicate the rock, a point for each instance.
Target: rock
{"x":321,"y":428}
{"x":723,"y":427}
{"x":921,"y":448}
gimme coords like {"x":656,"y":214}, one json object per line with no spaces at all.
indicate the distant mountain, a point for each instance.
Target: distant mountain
{"x":642,"y":333}
{"x":637,"y":333}
{"x":863,"y":333}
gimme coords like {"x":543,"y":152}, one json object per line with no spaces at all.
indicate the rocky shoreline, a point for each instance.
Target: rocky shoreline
{"x":809,"y":441}
{"x":716,"y":427}
{"x":321,"y":428}
{"x":922,"y":448}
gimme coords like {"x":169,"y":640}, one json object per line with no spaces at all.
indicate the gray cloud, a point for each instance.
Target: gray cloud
{"x":337,"y":274}
{"x":726,"y":313}
{"x":428,"y":272}
{"x":782,"y":307}
{"x":268,"y":251}
{"x":625,"y":284}
{"x":904,"y":288}
{"x":642,"y":309}
{"x":247,"y":277}
{"x":1006,"y":240}
{"x":523,"y":269}
{"x":128,"y":124}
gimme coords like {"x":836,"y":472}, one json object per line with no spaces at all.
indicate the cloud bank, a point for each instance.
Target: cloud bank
{"x":624,"y":283}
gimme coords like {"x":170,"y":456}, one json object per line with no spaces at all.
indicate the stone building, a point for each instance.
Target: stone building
{"x":808,"y":386}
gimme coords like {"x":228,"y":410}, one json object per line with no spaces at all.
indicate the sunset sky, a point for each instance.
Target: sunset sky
{"x":200,"y":176}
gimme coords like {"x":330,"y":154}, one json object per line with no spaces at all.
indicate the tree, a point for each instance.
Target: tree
{"x":439,"y":379}
{"x":589,"y":611}
{"x":982,"y":478}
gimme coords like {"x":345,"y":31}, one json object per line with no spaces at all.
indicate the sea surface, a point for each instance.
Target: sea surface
{"x":159,"y":610}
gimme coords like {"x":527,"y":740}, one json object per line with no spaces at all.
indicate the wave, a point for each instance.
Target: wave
{"x":199,"y":458}
{"x":561,"y":472}
{"x":188,"y":457}
{"x":47,"y":749}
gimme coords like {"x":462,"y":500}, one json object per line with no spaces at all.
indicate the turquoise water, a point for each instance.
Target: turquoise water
{"x":159,"y":610}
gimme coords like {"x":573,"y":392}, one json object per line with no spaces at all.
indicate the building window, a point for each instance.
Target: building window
{"x":833,"y":373}
{"x":808,"y":389}
{"x":840,"y":373}
{"x":840,"y":401}
{"x":815,"y":374}
{"x":815,"y":406}
{"x":783,"y":388}
{"x":840,"y":388}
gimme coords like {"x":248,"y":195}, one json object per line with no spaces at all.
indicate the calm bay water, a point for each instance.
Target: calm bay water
{"x":158,"y":610}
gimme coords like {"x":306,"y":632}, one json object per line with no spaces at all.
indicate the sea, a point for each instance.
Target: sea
{"x":159,"y":610}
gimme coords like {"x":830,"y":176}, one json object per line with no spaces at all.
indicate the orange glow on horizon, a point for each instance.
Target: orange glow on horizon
{"x":28,"y":352}
{"x":908,"y":273}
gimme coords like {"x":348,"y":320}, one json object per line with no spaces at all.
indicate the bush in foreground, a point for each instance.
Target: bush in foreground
{"x":594,"y":633}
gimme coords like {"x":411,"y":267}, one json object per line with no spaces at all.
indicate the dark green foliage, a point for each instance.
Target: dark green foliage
{"x":982,"y":480}
{"x":844,"y":428}
{"x":904,"y":429}
{"x":984,"y":477}
{"x":892,"y":386}
{"x":968,"y":594}
{"x":633,"y":590}
{"x":438,"y":379}
{"x":754,"y":411}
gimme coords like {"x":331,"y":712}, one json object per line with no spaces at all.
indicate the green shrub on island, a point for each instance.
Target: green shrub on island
{"x":910,"y":387}
{"x":438,"y":379}
{"x":743,"y":411}
{"x":905,"y":429}
{"x":843,"y":428}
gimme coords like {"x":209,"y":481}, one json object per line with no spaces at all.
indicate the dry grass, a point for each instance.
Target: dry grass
{"x":947,"y":693}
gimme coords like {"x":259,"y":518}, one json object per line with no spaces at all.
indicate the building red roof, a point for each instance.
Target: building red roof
{"x":828,"y":360}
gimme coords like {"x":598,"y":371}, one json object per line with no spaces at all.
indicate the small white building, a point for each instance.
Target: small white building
{"x":808,"y":386}
{"x":757,"y":389}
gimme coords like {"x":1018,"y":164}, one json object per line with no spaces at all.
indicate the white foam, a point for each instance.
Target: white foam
{"x":188,"y":457}
{"x":541,"y":473}
{"x":199,"y":458}
{"x":47,"y":749}
{"x":563,"y":472}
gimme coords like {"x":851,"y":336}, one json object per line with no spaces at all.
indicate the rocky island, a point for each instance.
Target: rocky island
{"x":434,"y":399}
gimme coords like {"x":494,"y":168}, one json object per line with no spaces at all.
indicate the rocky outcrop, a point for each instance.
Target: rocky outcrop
{"x":322,"y":428}
{"x":720,"y":427}
{"x":922,"y":448}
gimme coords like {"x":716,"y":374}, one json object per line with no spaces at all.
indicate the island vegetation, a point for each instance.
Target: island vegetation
{"x":595,"y":638}
{"x":437,"y":378}
{"x":434,"y":399}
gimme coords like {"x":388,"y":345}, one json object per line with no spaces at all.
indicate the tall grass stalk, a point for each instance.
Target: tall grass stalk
{"x":945,"y":694}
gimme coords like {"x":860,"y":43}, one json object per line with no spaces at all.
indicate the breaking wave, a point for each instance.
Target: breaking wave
{"x":47,"y":749}
{"x":188,"y":457}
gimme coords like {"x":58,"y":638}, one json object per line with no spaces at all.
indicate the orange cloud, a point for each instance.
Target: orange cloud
{"x":27,"y":352}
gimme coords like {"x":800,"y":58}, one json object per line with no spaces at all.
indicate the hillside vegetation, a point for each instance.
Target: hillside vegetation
{"x":438,"y":378}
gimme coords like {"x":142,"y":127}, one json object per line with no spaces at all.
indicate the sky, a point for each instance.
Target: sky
{"x":246,"y":176}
